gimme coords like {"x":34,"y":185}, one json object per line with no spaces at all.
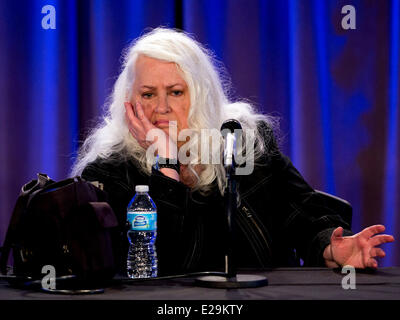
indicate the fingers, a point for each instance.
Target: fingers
{"x":140,"y":112}
{"x":134,"y":125}
{"x":139,"y":124}
{"x":128,"y":109}
{"x":377,"y":252}
{"x":372,"y":263}
{"x":130,"y":116}
{"x":134,"y":110}
{"x":372,"y":230}
{"x":142,"y":117}
{"x":380,"y":239}
{"x":337,"y":233}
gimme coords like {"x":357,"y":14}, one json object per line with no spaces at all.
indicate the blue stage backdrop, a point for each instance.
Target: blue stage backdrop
{"x":335,"y":89}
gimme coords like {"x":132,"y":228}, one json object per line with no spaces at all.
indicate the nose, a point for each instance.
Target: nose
{"x":162,"y":105}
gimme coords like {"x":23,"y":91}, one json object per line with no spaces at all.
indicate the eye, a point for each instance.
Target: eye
{"x":177,"y":93}
{"x":147,"y":95}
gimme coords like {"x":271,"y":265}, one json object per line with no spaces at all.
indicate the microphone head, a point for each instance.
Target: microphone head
{"x":231,"y":124}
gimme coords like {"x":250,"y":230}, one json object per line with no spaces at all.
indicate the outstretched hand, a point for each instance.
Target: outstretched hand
{"x":359,"y":250}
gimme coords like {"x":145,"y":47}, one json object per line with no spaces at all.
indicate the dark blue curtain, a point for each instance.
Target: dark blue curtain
{"x":336,"y":90}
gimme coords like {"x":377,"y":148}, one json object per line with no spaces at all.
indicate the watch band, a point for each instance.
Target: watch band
{"x":167,"y":163}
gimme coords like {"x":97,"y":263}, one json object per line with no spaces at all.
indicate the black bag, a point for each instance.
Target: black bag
{"x":66,"y":224}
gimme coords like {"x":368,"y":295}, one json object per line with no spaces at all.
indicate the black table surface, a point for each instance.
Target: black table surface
{"x":283,"y":284}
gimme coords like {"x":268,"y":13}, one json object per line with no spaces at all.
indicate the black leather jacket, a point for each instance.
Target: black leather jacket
{"x":279,"y":219}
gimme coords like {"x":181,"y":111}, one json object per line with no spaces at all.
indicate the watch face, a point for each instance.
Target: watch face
{"x":169,"y":161}
{"x":166,"y":163}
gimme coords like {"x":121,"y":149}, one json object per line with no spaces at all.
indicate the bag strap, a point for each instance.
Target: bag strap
{"x":27,"y":191}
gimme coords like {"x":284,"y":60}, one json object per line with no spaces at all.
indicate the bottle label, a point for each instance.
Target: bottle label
{"x":142,"y":221}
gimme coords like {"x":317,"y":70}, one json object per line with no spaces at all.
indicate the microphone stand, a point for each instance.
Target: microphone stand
{"x":232,"y":279}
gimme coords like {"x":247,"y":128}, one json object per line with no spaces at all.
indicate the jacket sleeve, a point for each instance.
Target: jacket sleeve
{"x":308,"y":218}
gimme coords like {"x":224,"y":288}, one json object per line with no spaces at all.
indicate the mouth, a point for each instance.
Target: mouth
{"x":160,"y":123}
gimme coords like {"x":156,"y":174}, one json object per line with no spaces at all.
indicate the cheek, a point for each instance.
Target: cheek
{"x":184,"y":116}
{"x":148,"y":109}
{"x":148,"y":113}
{"x":146,"y":105}
{"x":185,"y":113}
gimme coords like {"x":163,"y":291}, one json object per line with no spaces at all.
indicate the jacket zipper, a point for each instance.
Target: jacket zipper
{"x":196,"y":251}
{"x":193,"y":256}
{"x":261,"y":233}
{"x":247,"y":231}
{"x":260,"y":244}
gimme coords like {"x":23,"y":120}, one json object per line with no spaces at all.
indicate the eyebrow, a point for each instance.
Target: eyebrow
{"x":168,"y":87}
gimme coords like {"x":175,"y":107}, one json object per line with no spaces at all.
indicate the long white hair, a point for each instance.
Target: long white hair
{"x":209,"y":97}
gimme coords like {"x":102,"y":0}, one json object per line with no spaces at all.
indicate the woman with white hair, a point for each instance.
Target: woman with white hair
{"x":170,"y":90}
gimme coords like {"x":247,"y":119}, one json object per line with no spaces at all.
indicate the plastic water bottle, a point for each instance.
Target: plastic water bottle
{"x":142,"y":233}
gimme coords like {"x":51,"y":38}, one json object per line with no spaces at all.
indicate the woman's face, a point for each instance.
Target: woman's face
{"x":162,"y":92}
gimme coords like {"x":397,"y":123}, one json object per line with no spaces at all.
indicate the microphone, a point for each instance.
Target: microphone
{"x":227,"y":131}
{"x":231,"y":278}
